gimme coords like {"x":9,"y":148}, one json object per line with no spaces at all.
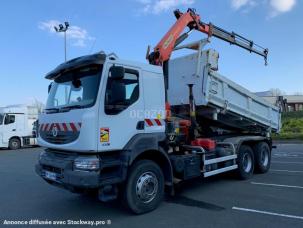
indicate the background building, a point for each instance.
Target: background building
{"x":288,"y":103}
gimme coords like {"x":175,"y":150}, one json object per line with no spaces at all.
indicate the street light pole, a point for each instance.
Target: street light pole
{"x":65,"y":46}
{"x":63,"y":28}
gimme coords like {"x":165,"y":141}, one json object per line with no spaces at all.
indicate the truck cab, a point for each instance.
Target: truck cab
{"x":97,"y":100}
{"x":16,"y":127}
{"x":101,"y":114}
{"x":8,"y":129}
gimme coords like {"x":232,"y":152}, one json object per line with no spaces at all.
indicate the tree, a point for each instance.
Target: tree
{"x":277,"y":92}
{"x":37,"y":104}
{"x":298,"y":93}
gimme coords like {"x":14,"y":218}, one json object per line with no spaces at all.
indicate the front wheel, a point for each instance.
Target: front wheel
{"x":245,"y":162}
{"x":14,"y":144}
{"x":144,"y":188}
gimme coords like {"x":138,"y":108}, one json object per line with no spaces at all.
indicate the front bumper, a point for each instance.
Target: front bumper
{"x":60,"y":165}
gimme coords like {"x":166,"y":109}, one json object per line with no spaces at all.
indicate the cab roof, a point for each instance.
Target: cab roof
{"x":98,"y":58}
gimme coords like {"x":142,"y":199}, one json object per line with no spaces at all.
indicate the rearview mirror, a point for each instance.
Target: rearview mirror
{"x":117,"y":72}
{"x":77,"y":83}
{"x":49,"y":87}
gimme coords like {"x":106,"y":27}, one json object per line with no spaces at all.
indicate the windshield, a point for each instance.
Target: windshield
{"x":75,"y":89}
{"x":1,"y":118}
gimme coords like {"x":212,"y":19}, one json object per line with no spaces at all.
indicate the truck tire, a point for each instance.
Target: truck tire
{"x":245,"y":162}
{"x":262,"y":157}
{"x":144,"y":188}
{"x":14,"y":144}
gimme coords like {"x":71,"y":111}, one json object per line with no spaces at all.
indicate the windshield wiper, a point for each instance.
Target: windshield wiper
{"x":68,"y":108}
{"x":51,"y":110}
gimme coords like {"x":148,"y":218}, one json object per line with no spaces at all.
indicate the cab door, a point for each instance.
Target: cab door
{"x":121,"y":113}
{"x":9,"y":127}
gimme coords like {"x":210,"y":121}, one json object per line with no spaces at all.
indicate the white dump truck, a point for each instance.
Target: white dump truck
{"x":130,"y":129}
{"x":18,"y":126}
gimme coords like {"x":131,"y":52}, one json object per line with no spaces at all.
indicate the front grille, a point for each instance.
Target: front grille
{"x":61,"y":154}
{"x":52,"y":169}
{"x":61,"y":138}
{"x":57,"y":140}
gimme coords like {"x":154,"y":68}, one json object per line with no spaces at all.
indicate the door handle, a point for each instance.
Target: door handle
{"x":14,"y":130}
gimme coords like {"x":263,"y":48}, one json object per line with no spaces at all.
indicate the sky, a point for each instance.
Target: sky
{"x":30,"y":47}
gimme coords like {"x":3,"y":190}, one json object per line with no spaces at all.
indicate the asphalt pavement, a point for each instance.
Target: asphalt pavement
{"x":274,"y":199}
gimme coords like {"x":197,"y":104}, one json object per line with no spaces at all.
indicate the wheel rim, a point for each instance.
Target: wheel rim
{"x":147,"y":187}
{"x":264,"y":157}
{"x":15,"y":144}
{"x":247,"y":163}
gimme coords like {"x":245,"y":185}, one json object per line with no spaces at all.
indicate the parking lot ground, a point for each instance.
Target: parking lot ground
{"x":274,"y":199}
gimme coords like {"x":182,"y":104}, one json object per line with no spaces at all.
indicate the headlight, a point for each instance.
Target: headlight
{"x":87,"y":163}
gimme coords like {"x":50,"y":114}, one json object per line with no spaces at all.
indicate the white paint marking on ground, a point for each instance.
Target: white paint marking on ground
{"x":289,"y":152}
{"x":287,"y":171}
{"x":267,"y":213}
{"x":277,"y":185}
{"x":288,"y":156}
{"x":278,"y":162}
{"x":288,"y":144}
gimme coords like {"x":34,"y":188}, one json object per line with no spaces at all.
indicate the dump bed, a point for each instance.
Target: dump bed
{"x":217,"y":98}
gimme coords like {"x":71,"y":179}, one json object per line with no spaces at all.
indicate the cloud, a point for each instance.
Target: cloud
{"x":281,"y":6}
{"x":237,"y":4}
{"x":159,"y":6}
{"x":76,"y":34}
{"x":276,"y":7}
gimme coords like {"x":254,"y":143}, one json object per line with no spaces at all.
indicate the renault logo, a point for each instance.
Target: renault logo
{"x":55,"y":131}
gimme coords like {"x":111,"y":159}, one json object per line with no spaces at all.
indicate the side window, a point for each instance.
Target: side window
{"x":9,"y":119}
{"x":61,"y":95}
{"x":121,"y":93}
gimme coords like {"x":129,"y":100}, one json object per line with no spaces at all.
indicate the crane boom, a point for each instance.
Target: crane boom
{"x":238,"y":40}
{"x":190,"y":19}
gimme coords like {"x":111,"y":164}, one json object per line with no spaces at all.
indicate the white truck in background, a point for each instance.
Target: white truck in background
{"x":18,"y":126}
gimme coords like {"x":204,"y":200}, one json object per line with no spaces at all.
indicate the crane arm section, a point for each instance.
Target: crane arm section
{"x":190,"y":19}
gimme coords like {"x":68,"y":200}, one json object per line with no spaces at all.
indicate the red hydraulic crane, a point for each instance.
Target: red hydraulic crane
{"x":190,"y":19}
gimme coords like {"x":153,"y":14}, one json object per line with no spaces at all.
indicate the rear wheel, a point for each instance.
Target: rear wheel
{"x":144,"y":188}
{"x":262,"y":157}
{"x":245,"y":162}
{"x":14,"y":144}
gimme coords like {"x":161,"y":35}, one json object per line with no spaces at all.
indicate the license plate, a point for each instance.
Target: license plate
{"x":50,"y":175}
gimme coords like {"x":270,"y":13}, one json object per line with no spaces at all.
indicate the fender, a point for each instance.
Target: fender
{"x":238,"y":141}
{"x":148,"y":146}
